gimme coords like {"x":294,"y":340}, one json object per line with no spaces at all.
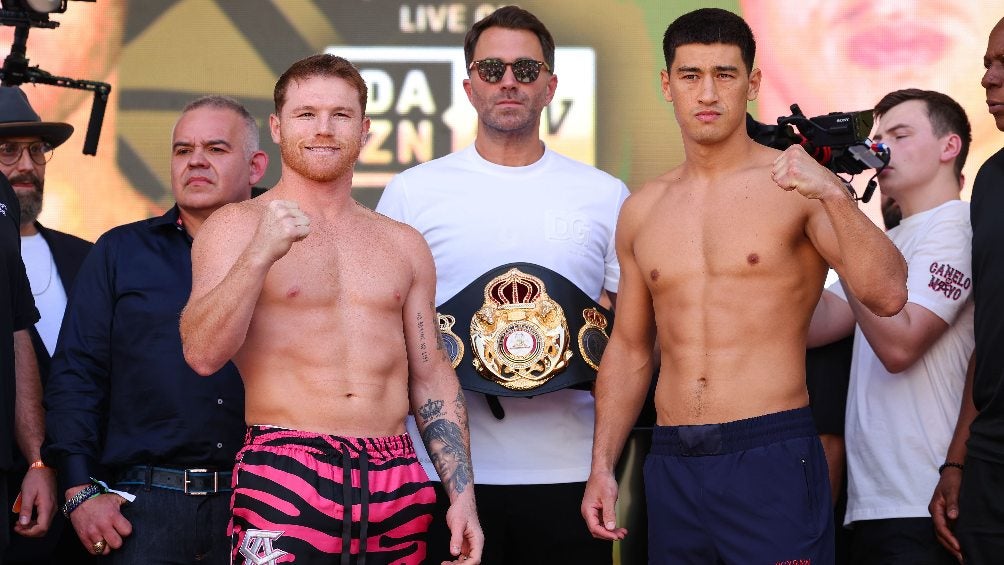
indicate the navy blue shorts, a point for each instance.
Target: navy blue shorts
{"x":753,"y":491}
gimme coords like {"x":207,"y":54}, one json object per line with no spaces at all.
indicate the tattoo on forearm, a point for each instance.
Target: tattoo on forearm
{"x":431,"y":410}
{"x":421,"y":338}
{"x":460,"y":406}
{"x":445,"y":442}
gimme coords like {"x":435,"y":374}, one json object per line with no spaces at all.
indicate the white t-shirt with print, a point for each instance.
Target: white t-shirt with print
{"x":476,"y":215}
{"x":899,"y":425}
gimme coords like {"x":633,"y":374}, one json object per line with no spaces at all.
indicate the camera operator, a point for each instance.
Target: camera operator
{"x":849,"y":54}
{"x":908,"y":370}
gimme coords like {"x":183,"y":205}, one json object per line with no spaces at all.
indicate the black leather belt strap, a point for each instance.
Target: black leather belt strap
{"x":192,"y":481}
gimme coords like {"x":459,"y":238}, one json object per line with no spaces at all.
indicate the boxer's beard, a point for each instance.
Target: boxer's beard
{"x":31,"y":201}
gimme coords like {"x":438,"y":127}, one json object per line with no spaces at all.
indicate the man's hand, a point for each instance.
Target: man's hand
{"x":599,"y":507}
{"x":100,"y":518}
{"x":38,"y":502}
{"x":282,"y":224}
{"x":796,"y":170}
{"x":467,"y":541}
{"x":944,"y":509}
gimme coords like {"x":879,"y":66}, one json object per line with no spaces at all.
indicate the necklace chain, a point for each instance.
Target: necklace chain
{"x":48,"y":283}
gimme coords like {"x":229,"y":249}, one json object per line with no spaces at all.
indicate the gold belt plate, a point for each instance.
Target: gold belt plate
{"x":519,"y":336}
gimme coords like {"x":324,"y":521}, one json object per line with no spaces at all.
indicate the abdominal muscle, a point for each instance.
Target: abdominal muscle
{"x":731,"y":363}
{"x":333,"y":377}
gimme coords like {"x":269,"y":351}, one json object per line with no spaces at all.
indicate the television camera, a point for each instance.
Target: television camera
{"x":23,"y":15}
{"x":838,"y":141}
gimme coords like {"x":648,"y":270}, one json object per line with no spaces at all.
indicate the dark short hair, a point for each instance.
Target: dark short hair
{"x":219,"y":102}
{"x":324,"y":65}
{"x":707,"y":26}
{"x":945,"y":114}
{"x":510,"y":17}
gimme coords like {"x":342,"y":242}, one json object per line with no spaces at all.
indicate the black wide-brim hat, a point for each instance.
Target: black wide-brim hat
{"x":18,"y":119}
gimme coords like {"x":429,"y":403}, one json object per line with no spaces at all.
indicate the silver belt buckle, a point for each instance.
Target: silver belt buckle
{"x":216,"y":482}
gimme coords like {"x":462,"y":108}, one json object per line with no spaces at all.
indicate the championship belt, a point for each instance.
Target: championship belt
{"x":532,"y":331}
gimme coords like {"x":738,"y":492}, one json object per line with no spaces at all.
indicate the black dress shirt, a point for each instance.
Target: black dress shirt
{"x":120,"y":393}
{"x":17,"y":311}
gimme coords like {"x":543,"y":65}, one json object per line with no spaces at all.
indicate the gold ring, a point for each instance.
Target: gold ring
{"x":99,"y":546}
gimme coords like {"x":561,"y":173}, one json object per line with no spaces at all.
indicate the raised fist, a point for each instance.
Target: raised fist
{"x":281,"y":225}
{"x":794,"y":169}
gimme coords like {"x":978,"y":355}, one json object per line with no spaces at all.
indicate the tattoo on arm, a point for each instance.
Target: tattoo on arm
{"x":445,"y":442}
{"x":460,"y":405}
{"x":422,"y":350}
{"x":432,"y":409}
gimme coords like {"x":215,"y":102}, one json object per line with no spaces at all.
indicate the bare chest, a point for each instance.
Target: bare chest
{"x":331,"y":268}
{"x":698,"y":238}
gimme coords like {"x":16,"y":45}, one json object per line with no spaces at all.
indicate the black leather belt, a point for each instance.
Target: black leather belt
{"x":193,"y":482}
{"x":523,"y":330}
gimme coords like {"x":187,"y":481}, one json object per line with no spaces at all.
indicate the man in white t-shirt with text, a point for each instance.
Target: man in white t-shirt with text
{"x":908,"y":370}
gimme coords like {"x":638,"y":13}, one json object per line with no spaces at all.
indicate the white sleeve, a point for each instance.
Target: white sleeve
{"x":612,"y":268}
{"x":940,"y":269}
{"x":392,"y":201}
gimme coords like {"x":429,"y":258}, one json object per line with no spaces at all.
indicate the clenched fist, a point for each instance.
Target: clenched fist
{"x":282,"y":224}
{"x":796,"y":170}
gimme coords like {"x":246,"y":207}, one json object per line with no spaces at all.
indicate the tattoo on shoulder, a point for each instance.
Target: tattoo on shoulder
{"x":431,"y":410}
{"x":445,"y":443}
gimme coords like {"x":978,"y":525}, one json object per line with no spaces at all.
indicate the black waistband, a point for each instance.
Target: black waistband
{"x":584,"y":339}
{"x":196,"y":481}
{"x":730,"y":437}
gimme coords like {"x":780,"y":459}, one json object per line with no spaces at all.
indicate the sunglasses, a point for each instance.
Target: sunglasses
{"x":11,"y":151}
{"x":523,"y":70}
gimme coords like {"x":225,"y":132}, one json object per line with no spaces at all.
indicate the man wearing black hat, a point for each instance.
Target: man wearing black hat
{"x":51,"y":259}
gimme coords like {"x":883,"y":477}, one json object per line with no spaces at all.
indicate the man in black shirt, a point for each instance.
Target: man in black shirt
{"x":126,"y":415}
{"x":967,"y":506}
{"x":52,"y":259}
{"x":19,"y":385}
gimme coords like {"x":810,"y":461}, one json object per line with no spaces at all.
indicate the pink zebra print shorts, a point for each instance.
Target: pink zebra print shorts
{"x":304,"y":498}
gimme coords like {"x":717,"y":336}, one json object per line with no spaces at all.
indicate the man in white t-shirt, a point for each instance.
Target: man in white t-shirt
{"x":512,"y":226}
{"x":908,"y":370}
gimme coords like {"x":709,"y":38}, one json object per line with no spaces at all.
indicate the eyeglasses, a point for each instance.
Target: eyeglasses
{"x":39,"y":151}
{"x":523,"y":70}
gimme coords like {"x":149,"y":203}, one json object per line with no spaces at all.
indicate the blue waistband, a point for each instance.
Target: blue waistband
{"x":729,"y":437}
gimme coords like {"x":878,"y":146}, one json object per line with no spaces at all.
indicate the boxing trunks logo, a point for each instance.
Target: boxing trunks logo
{"x":257,"y":547}
{"x":521,"y":341}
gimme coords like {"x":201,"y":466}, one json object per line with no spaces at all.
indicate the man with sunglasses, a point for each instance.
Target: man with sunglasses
{"x":52,"y":259}
{"x":517,"y":231}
